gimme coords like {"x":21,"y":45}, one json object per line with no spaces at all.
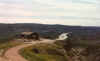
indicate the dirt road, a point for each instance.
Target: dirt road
{"x":13,"y":53}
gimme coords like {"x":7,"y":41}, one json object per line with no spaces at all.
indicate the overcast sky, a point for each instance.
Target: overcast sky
{"x":67,"y":12}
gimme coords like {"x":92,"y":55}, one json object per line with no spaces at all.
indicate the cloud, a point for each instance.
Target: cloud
{"x":53,"y":21}
{"x":60,"y":11}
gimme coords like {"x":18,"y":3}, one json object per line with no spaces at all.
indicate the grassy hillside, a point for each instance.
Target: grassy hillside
{"x":61,"y":51}
{"x":44,"y":52}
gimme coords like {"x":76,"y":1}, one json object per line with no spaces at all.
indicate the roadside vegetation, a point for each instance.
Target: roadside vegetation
{"x":7,"y":42}
{"x":44,"y":52}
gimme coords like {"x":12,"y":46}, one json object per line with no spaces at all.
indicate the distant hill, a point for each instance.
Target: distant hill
{"x":82,"y":32}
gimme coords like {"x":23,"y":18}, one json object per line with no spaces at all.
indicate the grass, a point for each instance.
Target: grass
{"x":45,"y":53}
{"x":7,"y":42}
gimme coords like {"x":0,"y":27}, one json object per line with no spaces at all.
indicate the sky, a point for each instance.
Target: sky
{"x":66,"y":12}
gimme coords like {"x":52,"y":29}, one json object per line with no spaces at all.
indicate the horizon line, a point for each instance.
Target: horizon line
{"x":53,"y":24}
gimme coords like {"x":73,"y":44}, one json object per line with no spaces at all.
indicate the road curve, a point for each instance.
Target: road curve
{"x":13,"y":53}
